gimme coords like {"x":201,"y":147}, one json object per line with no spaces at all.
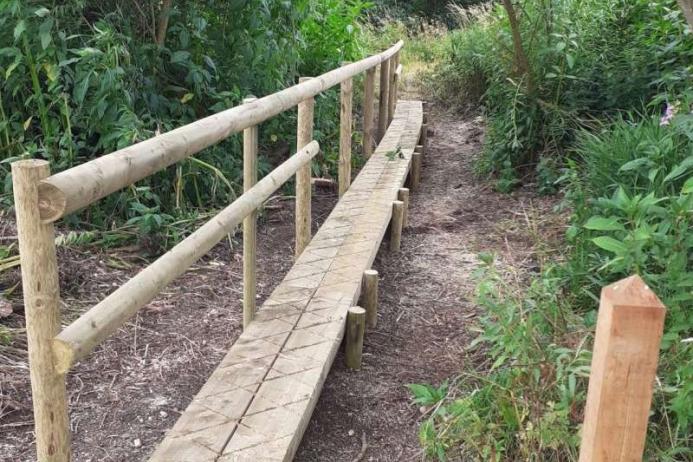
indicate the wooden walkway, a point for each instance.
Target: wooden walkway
{"x":257,"y":403}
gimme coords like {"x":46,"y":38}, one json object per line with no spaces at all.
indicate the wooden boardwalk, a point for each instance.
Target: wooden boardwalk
{"x":257,"y":403}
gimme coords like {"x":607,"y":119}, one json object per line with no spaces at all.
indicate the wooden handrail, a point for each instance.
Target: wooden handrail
{"x":73,"y":189}
{"x":79,"y":338}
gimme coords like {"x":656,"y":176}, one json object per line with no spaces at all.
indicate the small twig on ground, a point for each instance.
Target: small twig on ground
{"x":364,"y":446}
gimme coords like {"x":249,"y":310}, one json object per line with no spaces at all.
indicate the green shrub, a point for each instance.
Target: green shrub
{"x":97,"y":82}
{"x":631,"y":191}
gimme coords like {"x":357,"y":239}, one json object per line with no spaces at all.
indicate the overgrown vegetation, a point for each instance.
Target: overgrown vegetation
{"x":85,"y":78}
{"x":600,"y":110}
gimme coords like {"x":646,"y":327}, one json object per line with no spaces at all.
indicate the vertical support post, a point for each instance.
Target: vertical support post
{"x":304,"y":136}
{"x":355,"y":330}
{"x":415,"y":173}
{"x":396,"y":226}
{"x":42,"y":312}
{"x":624,"y":364}
{"x":393,"y":88}
{"x":383,"y":99}
{"x":370,"y":297}
{"x":345,"y":116}
{"x":403,"y":195}
{"x":250,"y":140}
{"x":423,"y":138}
{"x":368,"y":97}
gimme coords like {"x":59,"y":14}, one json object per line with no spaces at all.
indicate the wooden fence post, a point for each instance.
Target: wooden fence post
{"x":396,"y":226}
{"x":303,"y":187}
{"x":353,"y":342}
{"x":415,"y":173}
{"x":345,"y":115}
{"x":368,"y":97}
{"x":624,"y":364}
{"x":384,"y":98}
{"x":250,"y":137}
{"x":403,"y":195}
{"x":370,"y":297}
{"x":393,"y":88}
{"x":42,"y":312}
{"x":423,"y":138}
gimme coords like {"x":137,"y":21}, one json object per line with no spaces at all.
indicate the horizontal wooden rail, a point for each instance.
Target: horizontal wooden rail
{"x":73,"y":189}
{"x":79,"y":338}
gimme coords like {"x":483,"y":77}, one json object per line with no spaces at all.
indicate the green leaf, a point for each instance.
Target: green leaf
{"x":635,"y":164}
{"x":45,"y":32}
{"x":604,"y":224}
{"x":180,"y":57}
{"x":42,"y":12}
{"x":19,"y":29}
{"x":610,"y":244}
{"x":186,"y":97}
{"x":680,"y":169}
{"x":687,"y":186}
{"x":570,"y":59}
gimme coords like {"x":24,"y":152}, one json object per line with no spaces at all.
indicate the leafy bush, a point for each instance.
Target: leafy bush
{"x":631,"y":192}
{"x":587,"y":59}
{"x":98,"y":82}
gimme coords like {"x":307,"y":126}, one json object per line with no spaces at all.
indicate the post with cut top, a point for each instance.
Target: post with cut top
{"x":396,"y":225}
{"x":383,"y":100}
{"x":353,"y":342}
{"x":624,"y":364}
{"x":250,"y":137}
{"x":303,"y":187}
{"x":415,"y":173}
{"x":345,"y":116}
{"x":369,"y":297}
{"x":368,"y":98}
{"x":403,"y":195}
{"x":42,"y":312}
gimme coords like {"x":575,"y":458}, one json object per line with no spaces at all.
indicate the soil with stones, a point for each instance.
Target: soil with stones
{"x":131,"y":390}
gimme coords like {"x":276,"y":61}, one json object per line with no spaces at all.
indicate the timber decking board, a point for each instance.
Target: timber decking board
{"x":257,"y":403}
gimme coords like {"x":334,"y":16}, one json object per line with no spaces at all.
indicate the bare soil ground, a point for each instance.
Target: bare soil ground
{"x":126,"y":395}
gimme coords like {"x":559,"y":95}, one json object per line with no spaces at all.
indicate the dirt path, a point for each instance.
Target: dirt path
{"x":131,"y":390}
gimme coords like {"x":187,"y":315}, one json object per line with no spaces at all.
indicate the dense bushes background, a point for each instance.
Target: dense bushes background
{"x":84,"y":78}
{"x":602,"y":113}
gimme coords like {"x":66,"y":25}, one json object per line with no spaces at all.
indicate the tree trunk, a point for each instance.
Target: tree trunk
{"x":520,"y":60}
{"x":687,"y":8}
{"x":162,"y":24}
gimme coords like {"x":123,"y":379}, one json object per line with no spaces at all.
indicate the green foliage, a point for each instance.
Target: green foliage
{"x":631,"y":192}
{"x":85,"y":78}
{"x":587,"y":59}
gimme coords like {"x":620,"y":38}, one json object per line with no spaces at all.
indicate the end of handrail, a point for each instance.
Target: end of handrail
{"x":52,"y":202}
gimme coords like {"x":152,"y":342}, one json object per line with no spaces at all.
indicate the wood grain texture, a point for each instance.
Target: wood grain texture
{"x":345,"y":125}
{"x":87,"y":331}
{"x":353,"y":339}
{"x":250,"y":139}
{"x":304,"y":135}
{"x":368,"y":112}
{"x":396,"y":225}
{"x":369,"y":297}
{"x":383,"y":100}
{"x":260,"y":398}
{"x":42,"y":312}
{"x":403,"y":195}
{"x":624,"y":364}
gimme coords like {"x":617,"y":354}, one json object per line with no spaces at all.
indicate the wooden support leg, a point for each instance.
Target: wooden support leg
{"x":345,"y":116}
{"x":370,"y":297}
{"x":624,"y":364}
{"x":415,"y":173}
{"x":396,"y":225}
{"x":42,"y":313}
{"x":303,"y":187}
{"x":423,"y":139}
{"x":403,"y":195}
{"x":355,"y":330}
{"x":250,"y":136}
{"x":368,"y":99}
{"x":384,"y":98}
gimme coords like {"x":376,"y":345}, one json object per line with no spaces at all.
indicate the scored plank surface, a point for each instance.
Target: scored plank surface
{"x":257,"y":403}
